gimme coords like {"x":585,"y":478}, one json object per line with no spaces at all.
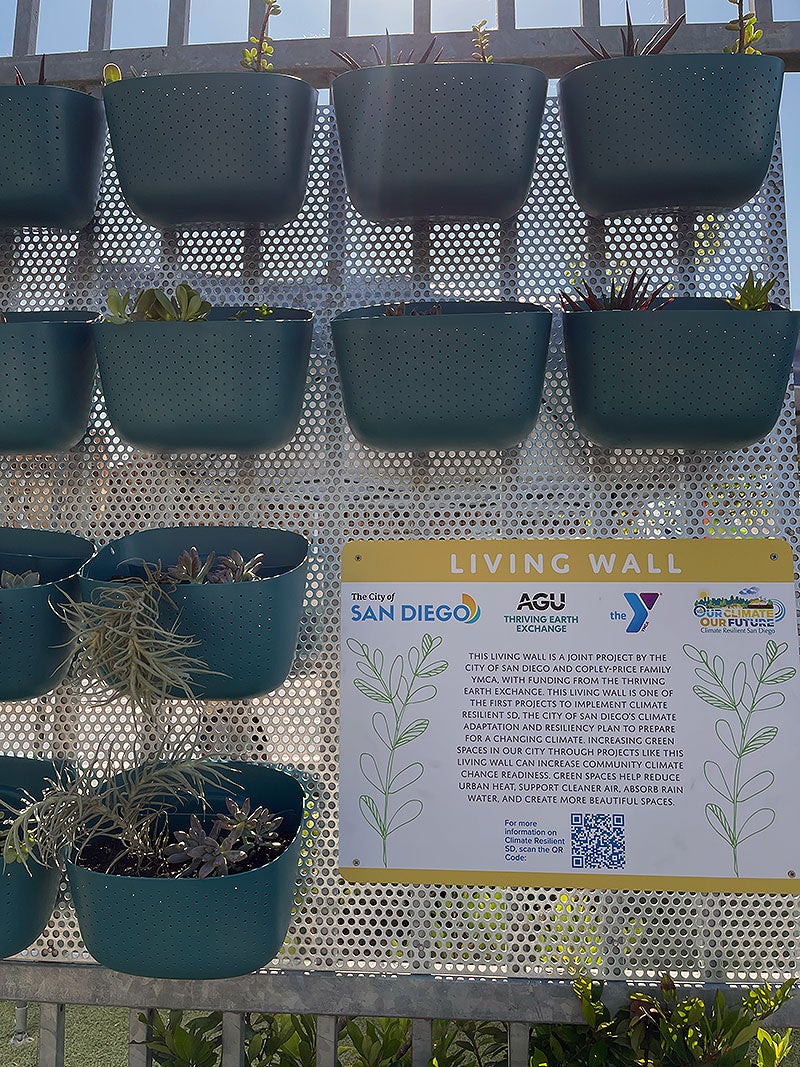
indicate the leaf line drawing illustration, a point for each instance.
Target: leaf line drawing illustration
{"x":403,"y":686}
{"x":746,"y":694}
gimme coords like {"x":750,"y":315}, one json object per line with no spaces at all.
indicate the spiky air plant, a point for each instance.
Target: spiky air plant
{"x":633,"y":295}
{"x":97,"y":800}
{"x":155,"y":305}
{"x":123,"y":645}
{"x":401,"y":309}
{"x":26,"y":580}
{"x":387,"y":59}
{"x":744,"y":25}
{"x":630,"y":43}
{"x":753,"y":294}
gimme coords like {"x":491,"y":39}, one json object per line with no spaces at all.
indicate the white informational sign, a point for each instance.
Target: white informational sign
{"x":571,"y":713}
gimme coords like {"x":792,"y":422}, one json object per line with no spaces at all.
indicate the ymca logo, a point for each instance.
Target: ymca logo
{"x":642,"y":604}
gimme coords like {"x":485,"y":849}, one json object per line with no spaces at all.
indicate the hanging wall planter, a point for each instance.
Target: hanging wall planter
{"x":246,"y":631}
{"x":653,"y":133}
{"x":215,"y":386}
{"x":468,"y":378}
{"x":47,"y":366}
{"x":695,"y":374}
{"x":27,"y":897}
{"x":53,"y":141}
{"x":439,"y":139}
{"x":36,"y":644}
{"x":191,"y":928}
{"x":216,"y":149}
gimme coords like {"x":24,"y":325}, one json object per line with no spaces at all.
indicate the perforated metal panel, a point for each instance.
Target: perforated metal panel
{"x":329,"y":488}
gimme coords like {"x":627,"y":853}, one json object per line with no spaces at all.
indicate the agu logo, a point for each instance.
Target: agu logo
{"x":642,"y":604}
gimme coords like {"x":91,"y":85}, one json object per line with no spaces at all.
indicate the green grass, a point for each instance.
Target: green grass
{"x":94,"y":1037}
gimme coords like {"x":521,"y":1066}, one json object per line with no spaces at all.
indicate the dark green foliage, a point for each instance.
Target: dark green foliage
{"x":190,"y":1043}
{"x":604,"y":1041}
{"x":469,"y":1044}
{"x":379,"y":1042}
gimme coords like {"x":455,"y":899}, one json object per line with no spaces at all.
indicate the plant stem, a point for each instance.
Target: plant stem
{"x":742,"y":35}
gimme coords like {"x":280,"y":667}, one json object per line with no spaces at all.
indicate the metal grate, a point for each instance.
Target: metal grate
{"x":329,"y":488}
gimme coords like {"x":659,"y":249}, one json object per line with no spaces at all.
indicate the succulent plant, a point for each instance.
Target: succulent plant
{"x":26,"y":580}
{"x":481,"y":43}
{"x":633,"y":295}
{"x":259,"y":58}
{"x":234,"y":568}
{"x":400,"y":309}
{"x":747,"y":33}
{"x":19,"y":80}
{"x":630,"y":44}
{"x":387,"y":60}
{"x":220,"y":850}
{"x":190,"y":568}
{"x":154,"y":305}
{"x":753,"y":294}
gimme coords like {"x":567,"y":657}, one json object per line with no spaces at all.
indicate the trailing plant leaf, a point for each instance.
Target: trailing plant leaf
{"x":259,"y":58}
{"x":630,"y":43}
{"x":633,"y":295}
{"x":744,"y":25}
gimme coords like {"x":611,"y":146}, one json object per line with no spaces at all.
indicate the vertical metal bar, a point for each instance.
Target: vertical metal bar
{"x":422,"y":17}
{"x":21,"y":1035}
{"x":139,"y":1055}
{"x":421,"y":257}
{"x":673,"y":9}
{"x":687,"y":265}
{"x":255,"y":16}
{"x":340,"y":18}
{"x":26,"y":27}
{"x":51,"y":1035}
{"x":506,"y":15}
{"x":232,"y":1040}
{"x":178,"y":26}
{"x":421,"y":1042}
{"x":764,"y":10}
{"x":100,"y":25}
{"x":590,"y":12}
{"x":327,"y":1035}
{"x":518,"y":1041}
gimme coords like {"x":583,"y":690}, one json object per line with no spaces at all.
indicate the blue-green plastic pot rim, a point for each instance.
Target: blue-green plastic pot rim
{"x":230,"y":879}
{"x":171,"y":80}
{"x":700,"y":304}
{"x":107,"y":555}
{"x":56,"y":316}
{"x":463,"y":308}
{"x":61,"y":567}
{"x":677,"y":59}
{"x":221,"y":314}
{"x":432,"y":69}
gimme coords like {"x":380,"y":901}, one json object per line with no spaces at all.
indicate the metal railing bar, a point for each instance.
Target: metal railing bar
{"x":138,"y":1054}
{"x":518,"y":1044}
{"x":422,"y":18}
{"x":674,"y":9}
{"x":515,"y":1000}
{"x":51,"y":1035}
{"x":421,"y":1042}
{"x":506,"y":16}
{"x":764,"y":11}
{"x":232,"y":1040}
{"x":340,"y":19}
{"x":100,"y":25}
{"x":590,"y":13}
{"x":555,"y":51}
{"x":177,"y":28}
{"x":327,"y":1039}
{"x":26,"y":27}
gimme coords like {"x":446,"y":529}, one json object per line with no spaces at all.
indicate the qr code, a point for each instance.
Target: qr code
{"x":598,"y":841}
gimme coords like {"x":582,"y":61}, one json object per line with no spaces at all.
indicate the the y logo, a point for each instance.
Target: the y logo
{"x":642,"y":604}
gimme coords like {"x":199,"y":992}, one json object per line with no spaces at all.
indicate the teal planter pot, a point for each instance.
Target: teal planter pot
{"x":53,"y":142}
{"x":654,"y":133}
{"x":212,"y":149}
{"x":36,"y":644}
{"x":191,"y":928}
{"x":470,"y":378}
{"x":439,"y":139}
{"x":47,"y":367}
{"x":246,"y":631}
{"x":216,"y":386}
{"x":26,"y":899}
{"x":696,"y":374}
